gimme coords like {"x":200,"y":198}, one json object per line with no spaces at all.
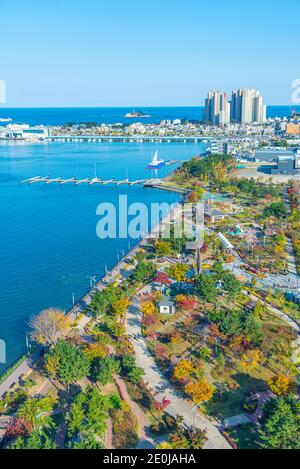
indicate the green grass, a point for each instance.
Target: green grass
{"x":245,"y":436}
{"x":232,"y":401}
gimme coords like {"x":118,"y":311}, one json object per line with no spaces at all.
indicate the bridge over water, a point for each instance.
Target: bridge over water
{"x":130,"y":139}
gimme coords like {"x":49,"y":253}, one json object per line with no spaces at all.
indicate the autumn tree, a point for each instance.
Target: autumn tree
{"x":49,"y":326}
{"x":251,"y":360}
{"x":18,"y":427}
{"x":96,"y":350}
{"x":178,"y":272}
{"x":200,"y":391}
{"x":51,"y":364}
{"x":163,"y":248}
{"x":119,"y":308}
{"x":193,"y":197}
{"x":280,"y":385}
{"x":148,"y":308}
{"x":186,"y":303}
{"x":183,"y":369}
{"x":164,"y":445}
{"x":162,"y":278}
{"x":163,"y":405}
{"x":149,"y":320}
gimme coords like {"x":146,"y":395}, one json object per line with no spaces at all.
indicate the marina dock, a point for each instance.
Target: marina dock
{"x":92,"y":181}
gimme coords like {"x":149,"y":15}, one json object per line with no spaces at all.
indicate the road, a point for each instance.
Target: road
{"x":179,"y":405}
{"x":25,"y":368}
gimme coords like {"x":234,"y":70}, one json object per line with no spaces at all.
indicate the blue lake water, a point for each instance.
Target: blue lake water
{"x":49,"y":246}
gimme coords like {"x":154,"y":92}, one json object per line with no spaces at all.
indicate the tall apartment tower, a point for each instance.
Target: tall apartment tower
{"x":217,"y":108}
{"x":247,"y":107}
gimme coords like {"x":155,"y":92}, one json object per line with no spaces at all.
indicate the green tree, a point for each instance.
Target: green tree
{"x":37,"y":440}
{"x":253,"y":330}
{"x":135,"y":375}
{"x":103,"y":369}
{"x":276,"y":209}
{"x":231,"y":285}
{"x":258,"y":310}
{"x":130,"y":370}
{"x":88,"y":415}
{"x":178,"y":272}
{"x":230,"y":322}
{"x":36,"y":411}
{"x":163,"y":248}
{"x":144,"y":272}
{"x":280,"y":425}
{"x":73,"y":365}
{"x":206,"y":288}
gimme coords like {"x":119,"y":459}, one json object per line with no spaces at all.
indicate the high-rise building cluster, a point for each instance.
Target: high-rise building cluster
{"x":217,"y":108}
{"x":246,"y":106}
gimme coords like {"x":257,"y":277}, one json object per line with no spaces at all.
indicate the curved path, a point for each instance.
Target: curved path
{"x":179,"y":405}
{"x":145,"y":442}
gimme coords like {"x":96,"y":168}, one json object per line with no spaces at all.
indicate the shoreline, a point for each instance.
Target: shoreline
{"x":83,"y":302}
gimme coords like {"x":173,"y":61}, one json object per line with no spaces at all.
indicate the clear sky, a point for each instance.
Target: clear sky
{"x":146,"y":52}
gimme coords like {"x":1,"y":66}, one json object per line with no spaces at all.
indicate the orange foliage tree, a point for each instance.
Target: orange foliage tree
{"x":200,"y":391}
{"x":280,"y":385}
{"x":183,"y":369}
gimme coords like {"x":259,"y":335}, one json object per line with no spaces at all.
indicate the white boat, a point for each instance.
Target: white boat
{"x":155,"y":162}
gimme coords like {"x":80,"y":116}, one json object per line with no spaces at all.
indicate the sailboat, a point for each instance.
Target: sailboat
{"x":155,"y":163}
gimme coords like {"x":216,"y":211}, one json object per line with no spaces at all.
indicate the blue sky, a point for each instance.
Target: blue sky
{"x":146,"y":53}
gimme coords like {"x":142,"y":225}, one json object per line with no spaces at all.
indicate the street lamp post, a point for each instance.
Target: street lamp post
{"x":155,"y":341}
{"x":194,"y":410}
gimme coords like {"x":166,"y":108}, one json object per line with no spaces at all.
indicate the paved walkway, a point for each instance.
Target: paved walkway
{"x":179,"y":405}
{"x":145,"y":441}
{"x":291,"y":261}
{"x":236,"y":420}
{"x":24,"y":369}
{"x":108,"y":437}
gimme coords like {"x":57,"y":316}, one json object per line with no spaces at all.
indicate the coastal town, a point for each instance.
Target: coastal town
{"x":183,"y":345}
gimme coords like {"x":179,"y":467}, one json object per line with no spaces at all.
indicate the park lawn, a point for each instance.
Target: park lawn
{"x":108,"y":389}
{"x":232,"y":402}
{"x":289,"y":308}
{"x":178,"y":349}
{"x":38,"y":378}
{"x":245,"y":436}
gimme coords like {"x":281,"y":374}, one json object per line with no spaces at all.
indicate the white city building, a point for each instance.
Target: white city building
{"x":217,"y":108}
{"x":247,"y":107}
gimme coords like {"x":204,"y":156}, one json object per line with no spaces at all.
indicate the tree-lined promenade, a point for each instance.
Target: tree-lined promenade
{"x":206,"y":358}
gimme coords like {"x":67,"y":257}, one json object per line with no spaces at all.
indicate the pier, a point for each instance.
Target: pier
{"x":92,"y":181}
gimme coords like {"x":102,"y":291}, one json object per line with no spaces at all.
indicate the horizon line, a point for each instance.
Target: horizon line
{"x":126,"y":107}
